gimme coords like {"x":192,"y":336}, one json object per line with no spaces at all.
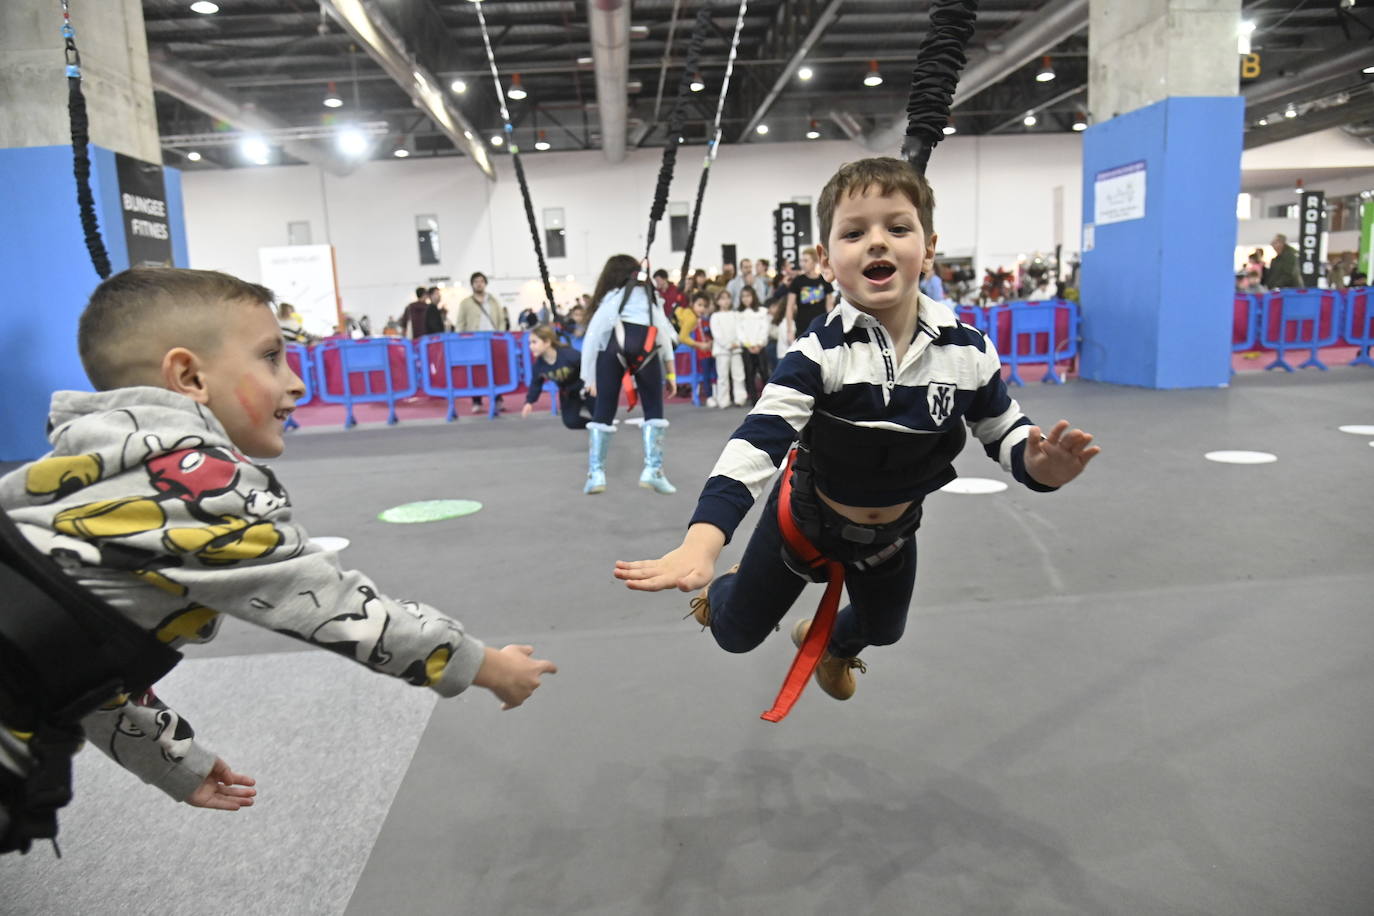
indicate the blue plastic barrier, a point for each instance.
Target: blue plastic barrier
{"x":698,"y":371}
{"x":443,"y":357}
{"x":972,"y":314}
{"x":1018,"y":338}
{"x":1359,"y":324}
{"x":1292,"y":319}
{"x":1244,"y":322}
{"x":301,"y":363}
{"x":373,"y":365}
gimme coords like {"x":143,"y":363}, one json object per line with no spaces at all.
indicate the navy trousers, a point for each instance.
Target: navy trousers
{"x":748,"y":605}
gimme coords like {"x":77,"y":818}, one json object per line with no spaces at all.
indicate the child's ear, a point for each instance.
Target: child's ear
{"x":930,"y":246}
{"x":822,"y":256}
{"x":181,"y":372}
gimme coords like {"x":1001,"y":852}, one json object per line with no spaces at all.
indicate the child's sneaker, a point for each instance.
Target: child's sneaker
{"x":710,"y":402}
{"x":701,"y":605}
{"x":833,"y":674}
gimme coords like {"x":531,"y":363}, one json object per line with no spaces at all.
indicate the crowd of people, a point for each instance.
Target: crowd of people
{"x":1282,"y":272}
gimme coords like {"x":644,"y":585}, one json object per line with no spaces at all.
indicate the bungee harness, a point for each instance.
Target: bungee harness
{"x":938,"y":62}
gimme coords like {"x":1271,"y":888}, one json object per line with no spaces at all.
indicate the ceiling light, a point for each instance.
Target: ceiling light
{"x":1290,"y":112}
{"x":697,"y":85}
{"x":584,"y":62}
{"x":204,"y":7}
{"x":814,"y":133}
{"x":351,"y":142}
{"x":805,"y":73}
{"x":516,"y":91}
{"x":1369,"y":69}
{"x":1029,"y":120}
{"x":1080,"y":121}
{"x":400,"y":152}
{"x":458,"y":86}
{"x":1046,"y":71}
{"x":497,"y":140}
{"x":639,"y":31}
{"x":874,"y":78}
{"x":542,"y":144}
{"x":1243,"y":33}
{"x":193,"y":156}
{"x":255,"y":150}
{"x":761,"y":129}
{"x":950,"y":128}
{"x":331,"y":97}
{"x":1263,"y":122}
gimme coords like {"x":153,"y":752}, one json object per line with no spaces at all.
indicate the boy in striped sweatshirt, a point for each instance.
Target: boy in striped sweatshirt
{"x":869,"y":402}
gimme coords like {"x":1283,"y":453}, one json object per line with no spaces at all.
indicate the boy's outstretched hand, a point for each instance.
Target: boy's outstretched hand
{"x":512,"y":673}
{"x":687,"y":568}
{"x":1061,"y":456}
{"x":224,"y":789}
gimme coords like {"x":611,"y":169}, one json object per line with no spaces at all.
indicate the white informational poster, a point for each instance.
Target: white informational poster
{"x":303,"y":275}
{"x":1119,"y":194}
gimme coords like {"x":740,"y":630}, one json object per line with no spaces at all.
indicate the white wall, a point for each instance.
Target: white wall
{"x":994,"y":199}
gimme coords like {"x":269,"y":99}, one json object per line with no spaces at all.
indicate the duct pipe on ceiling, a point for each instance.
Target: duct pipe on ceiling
{"x":1310,"y":72}
{"x":202,"y":93}
{"x":609,"y":21}
{"x":1045,"y":28}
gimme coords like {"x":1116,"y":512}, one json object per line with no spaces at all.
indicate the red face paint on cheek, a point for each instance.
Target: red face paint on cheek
{"x":250,"y":397}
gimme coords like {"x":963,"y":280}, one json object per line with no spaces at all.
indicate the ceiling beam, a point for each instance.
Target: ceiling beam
{"x":818,"y":28}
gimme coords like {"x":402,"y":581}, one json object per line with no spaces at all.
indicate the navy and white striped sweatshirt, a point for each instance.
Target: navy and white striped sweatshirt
{"x":844,"y":366}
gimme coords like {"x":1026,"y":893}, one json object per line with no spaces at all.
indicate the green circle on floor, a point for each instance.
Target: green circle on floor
{"x":429,"y":510}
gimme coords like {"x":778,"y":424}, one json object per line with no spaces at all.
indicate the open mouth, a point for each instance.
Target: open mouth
{"x":284,"y":413}
{"x":879,"y":271}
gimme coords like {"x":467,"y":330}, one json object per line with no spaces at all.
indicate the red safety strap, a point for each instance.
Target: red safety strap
{"x":818,"y":636}
{"x":628,"y":382}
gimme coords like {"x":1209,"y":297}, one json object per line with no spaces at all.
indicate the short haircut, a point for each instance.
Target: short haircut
{"x":660,"y":274}
{"x":1281,"y":238}
{"x":432,"y":289}
{"x":475,"y":274}
{"x":890,"y":176}
{"x":808,"y":250}
{"x":420,"y":292}
{"x":137,"y":315}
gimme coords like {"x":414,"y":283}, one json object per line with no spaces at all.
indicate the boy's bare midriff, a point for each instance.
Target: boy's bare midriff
{"x":867,"y":515}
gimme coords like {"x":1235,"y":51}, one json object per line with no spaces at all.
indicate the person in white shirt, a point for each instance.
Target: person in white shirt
{"x":726,"y":350}
{"x":752,"y":327}
{"x":747,"y":279}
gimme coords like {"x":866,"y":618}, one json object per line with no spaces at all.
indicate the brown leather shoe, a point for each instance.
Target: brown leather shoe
{"x":833,"y":674}
{"x":701,"y":605}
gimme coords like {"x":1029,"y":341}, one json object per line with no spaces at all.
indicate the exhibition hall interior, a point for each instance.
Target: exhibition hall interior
{"x":595,"y":382}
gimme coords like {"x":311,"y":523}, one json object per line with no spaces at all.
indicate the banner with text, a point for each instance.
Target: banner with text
{"x":1311,"y":226}
{"x":303,"y":275}
{"x":791,"y":232}
{"x":143,"y":201}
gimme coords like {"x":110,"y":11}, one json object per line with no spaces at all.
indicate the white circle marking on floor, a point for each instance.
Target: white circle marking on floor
{"x":974,"y":486}
{"x":1241,"y":457}
{"x":1358,"y":430}
{"x":330,"y":543}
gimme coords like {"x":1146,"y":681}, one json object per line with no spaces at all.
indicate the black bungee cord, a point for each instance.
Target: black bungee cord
{"x":713,"y":146}
{"x":676,"y":122}
{"x":519,"y":168}
{"x":81,"y":160}
{"x":936,"y":74}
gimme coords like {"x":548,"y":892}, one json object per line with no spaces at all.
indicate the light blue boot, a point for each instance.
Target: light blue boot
{"x":652,"y":478}
{"x":599,"y":440}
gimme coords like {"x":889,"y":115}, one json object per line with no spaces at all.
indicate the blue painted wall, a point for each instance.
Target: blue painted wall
{"x":1156,"y":291}
{"x":49,"y":277}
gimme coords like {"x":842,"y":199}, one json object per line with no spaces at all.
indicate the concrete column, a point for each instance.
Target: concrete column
{"x":43,"y":254}
{"x":1161,"y":168}
{"x":1144,"y":51}
{"x":114,"y":70}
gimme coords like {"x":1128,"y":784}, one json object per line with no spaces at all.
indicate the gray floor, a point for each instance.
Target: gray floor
{"x":1148,"y":693}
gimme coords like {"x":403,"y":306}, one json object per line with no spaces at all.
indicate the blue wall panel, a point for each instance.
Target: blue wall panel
{"x":49,"y":278}
{"x":1156,"y":291}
